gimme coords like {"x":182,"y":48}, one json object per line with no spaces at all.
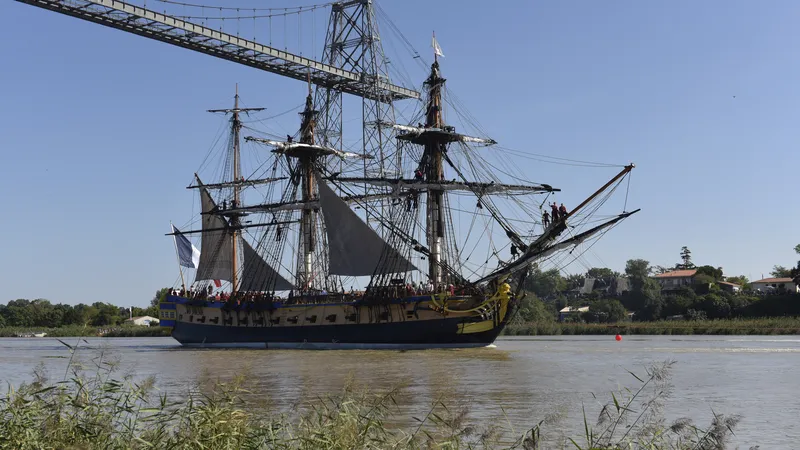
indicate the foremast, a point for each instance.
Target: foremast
{"x":234,"y":217}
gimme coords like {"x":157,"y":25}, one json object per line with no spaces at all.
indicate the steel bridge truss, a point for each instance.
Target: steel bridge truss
{"x":161,"y":27}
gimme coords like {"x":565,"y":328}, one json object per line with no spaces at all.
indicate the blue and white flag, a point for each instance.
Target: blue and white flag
{"x":188,"y":254}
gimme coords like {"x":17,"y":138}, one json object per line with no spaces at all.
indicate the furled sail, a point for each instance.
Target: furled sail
{"x":215,"y":245}
{"x":257,"y":275}
{"x":355,"y":249}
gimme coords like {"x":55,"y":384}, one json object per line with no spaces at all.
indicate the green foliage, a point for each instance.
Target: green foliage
{"x":715,"y":273}
{"x":40,"y":313}
{"x":686,"y":257}
{"x":531,"y":309}
{"x":575,"y":280}
{"x":741,"y":280}
{"x":160,"y":296}
{"x":603,"y":273}
{"x":545,"y":284}
{"x":696,"y":323}
{"x":605,"y":311}
{"x":703,"y":280}
{"x":781,"y":272}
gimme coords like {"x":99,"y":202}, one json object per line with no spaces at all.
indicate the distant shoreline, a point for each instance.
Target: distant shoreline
{"x":765,"y":326}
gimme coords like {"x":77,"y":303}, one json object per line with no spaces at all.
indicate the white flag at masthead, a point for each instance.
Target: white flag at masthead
{"x":436,"y":49}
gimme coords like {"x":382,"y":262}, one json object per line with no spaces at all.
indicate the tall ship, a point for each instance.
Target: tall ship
{"x":314,"y":249}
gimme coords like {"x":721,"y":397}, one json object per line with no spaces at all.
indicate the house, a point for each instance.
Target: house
{"x":775,"y":285}
{"x":614,"y":286}
{"x":675,"y":279}
{"x":143,"y":321}
{"x":729,"y":287}
{"x":568,"y":311}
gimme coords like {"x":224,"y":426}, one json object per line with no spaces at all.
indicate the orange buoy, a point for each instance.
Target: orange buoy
{"x":618,"y":337}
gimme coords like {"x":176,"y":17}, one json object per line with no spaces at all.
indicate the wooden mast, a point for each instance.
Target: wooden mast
{"x":307,"y":223}
{"x":236,"y":126}
{"x":432,"y":162}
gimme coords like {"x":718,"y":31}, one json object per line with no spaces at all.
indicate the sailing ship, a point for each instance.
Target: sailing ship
{"x":275,"y":274}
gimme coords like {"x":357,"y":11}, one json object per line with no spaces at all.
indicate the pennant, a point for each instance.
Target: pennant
{"x":436,"y":49}
{"x":188,"y":254}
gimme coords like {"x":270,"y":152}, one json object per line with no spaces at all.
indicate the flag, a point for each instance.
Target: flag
{"x":436,"y":49}
{"x":217,"y":283}
{"x":188,"y":254}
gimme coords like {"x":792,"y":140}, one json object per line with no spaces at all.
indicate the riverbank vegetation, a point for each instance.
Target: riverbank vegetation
{"x":763,"y":326}
{"x":86,"y":331}
{"x":99,"y":411}
{"x":698,"y":300}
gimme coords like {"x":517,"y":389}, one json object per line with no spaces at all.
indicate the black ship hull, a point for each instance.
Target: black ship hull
{"x":412,"y":323}
{"x":441,"y":333}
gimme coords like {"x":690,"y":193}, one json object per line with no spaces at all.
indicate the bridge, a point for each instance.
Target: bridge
{"x":353,"y":62}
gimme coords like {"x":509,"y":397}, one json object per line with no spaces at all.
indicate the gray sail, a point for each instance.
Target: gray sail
{"x":354,"y":248}
{"x":216,"y":261}
{"x":257,"y":275}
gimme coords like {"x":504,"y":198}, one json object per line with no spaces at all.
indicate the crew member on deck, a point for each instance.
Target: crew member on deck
{"x":513,"y":251}
{"x":545,"y":219}
{"x":554,"y":212}
{"x":562,"y":212}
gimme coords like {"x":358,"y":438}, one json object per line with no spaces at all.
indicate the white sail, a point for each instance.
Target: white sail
{"x":354,"y":248}
{"x":216,"y":252}
{"x":257,"y":275}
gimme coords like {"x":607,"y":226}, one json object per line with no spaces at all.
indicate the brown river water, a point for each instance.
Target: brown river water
{"x":519,"y":380}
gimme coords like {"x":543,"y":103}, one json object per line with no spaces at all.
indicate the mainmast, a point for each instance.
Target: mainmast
{"x":431,"y":166}
{"x":307,"y":221}
{"x":234,"y":217}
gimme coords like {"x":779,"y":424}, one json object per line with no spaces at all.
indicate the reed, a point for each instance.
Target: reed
{"x":100,"y":411}
{"x":760,"y":326}
{"x":84,"y":331}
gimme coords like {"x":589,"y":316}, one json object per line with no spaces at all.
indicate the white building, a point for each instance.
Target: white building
{"x":675,"y":279}
{"x":143,"y":321}
{"x":729,"y":287}
{"x":570,"y":310}
{"x":775,"y":285}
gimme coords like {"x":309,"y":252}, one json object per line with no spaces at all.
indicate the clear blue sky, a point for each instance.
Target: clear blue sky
{"x":101,"y":130}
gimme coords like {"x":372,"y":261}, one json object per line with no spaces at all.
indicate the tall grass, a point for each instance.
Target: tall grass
{"x":100,"y":411}
{"x":763,"y":326}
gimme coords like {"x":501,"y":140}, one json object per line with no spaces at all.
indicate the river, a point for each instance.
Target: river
{"x":529,"y":378}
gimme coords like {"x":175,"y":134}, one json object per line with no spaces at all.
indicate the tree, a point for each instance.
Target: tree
{"x":781,"y":272}
{"x":107,"y":314}
{"x":574,"y":281}
{"x":741,"y":280}
{"x":686,"y":257}
{"x":716,"y":307}
{"x":545,"y":284}
{"x":606,"y":310}
{"x":659,"y":269}
{"x":604,"y":274}
{"x":795,"y":273}
{"x":637,"y":269}
{"x":161,"y":295}
{"x":531,"y":309}
{"x":714,"y":273}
